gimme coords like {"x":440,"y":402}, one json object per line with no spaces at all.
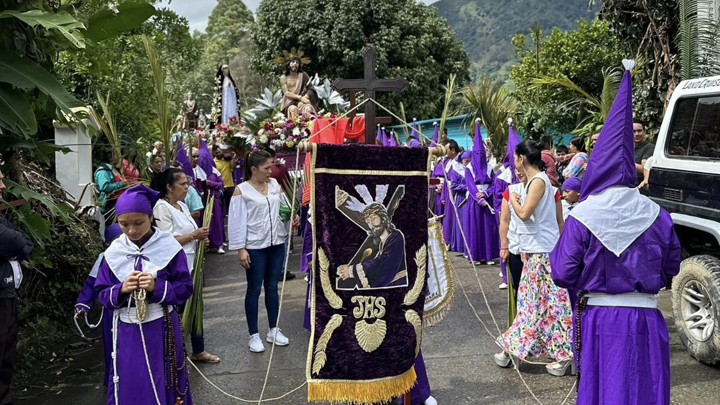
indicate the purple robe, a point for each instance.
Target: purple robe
{"x":438,"y":208}
{"x":481,"y":229}
{"x":449,"y":219}
{"x":459,"y":194}
{"x":84,"y":301}
{"x":173,"y":286}
{"x":420,"y":392}
{"x":217,"y":222}
{"x":625,"y":357}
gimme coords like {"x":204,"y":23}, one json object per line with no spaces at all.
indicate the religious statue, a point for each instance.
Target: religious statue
{"x":190,"y":113}
{"x":228,"y":96}
{"x":202,"y":120}
{"x":299,"y":96}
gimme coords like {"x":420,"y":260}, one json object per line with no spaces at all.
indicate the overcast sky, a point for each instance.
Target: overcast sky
{"x":197,"y":11}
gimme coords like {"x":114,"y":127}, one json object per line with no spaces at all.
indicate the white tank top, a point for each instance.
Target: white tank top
{"x":513,"y":240}
{"x":182,"y":224}
{"x":540,"y":232}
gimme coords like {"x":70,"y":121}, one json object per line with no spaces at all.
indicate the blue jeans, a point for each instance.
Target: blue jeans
{"x":266,"y":267}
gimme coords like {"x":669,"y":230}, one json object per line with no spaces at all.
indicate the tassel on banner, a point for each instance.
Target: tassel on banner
{"x":364,"y":392}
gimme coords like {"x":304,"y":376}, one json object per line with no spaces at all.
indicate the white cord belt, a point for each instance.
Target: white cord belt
{"x":129,"y":315}
{"x":629,"y":300}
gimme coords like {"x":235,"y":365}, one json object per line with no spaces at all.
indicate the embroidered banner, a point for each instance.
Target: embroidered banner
{"x":439,"y":296}
{"x":369,"y":213}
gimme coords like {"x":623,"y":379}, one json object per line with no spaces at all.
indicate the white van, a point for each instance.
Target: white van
{"x":685,"y":180}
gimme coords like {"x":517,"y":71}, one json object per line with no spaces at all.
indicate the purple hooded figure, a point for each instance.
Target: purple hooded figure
{"x":182,"y":158}
{"x":149,"y":359}
{"x":436,"y":205}
{"x":414,"y":138}
{"x":379,"y":139}
{"x":392,"y":141}
{"x":618,"y":249}
{"x":215,"y":187}
{"x":481,"y":228}
{"x":458,"y":192}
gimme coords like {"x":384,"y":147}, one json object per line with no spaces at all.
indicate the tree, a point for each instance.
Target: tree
{"x":579,"y":56}
{"x":226,"y":40}
{"x":646,"y":30}
{"x":121,"y":70}
{"x":410,"y":39}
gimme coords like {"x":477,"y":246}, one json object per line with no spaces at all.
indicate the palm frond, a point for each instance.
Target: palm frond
{"x":611,"y":82}
{"x":697,"y":41}
{"x":565,"y":82}
{"x":449,"y":96}
{"x":162,"y":108}
{"x":493,"y":105}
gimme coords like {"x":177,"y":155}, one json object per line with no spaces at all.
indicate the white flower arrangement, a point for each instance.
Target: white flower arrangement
{"x":263,"y":138}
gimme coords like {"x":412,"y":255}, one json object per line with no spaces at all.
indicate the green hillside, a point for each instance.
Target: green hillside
{"x":487,"y":26}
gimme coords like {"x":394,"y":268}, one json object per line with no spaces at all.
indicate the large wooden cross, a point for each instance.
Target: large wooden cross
{"x":370,"y":85}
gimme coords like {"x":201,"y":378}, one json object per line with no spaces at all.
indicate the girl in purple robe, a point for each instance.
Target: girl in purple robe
{"x":619,"y":266}
{"x":543,"y":323}
{"x":143,"y":275}
{"x":88,"y":295}
{"x":480,"y":224}
{"x":449,"y":220}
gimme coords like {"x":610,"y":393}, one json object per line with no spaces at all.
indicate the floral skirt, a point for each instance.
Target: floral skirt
{"x":543,"y":325}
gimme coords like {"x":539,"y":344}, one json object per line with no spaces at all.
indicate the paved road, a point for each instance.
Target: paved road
{"x":458,"y":352}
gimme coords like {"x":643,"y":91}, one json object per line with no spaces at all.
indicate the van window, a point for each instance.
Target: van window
{"x":695,"y":128}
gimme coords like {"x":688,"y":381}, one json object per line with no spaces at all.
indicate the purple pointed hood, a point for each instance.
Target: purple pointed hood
{"x":436,"y":134}
{"x":385,"y":141}
{"x":512,"y":142}
{"x":206,"y":161}
{"x":182,"y":158}
{"x":392,"y":142}
{"x":414,"y":133}
{"x":479,"y":160}
{"x":613,"y":159}
{"x":379,"y":136}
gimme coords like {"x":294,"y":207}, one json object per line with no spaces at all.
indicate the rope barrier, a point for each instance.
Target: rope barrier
{"x":465,"y":242}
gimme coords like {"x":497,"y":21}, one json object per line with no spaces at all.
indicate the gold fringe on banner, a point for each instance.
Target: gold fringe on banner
{"x":363,"y":392}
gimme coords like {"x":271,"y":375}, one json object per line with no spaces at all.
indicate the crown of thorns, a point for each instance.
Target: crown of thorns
{"x":293,"y":54}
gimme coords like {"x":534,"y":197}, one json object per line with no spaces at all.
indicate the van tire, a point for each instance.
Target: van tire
{"x":698,"y":274}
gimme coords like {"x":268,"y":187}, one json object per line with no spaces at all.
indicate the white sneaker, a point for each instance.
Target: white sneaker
{"x":256,"y":344}
{"x":221,"y":251}
{"x":500,"y":274}
{"x":490,"y":263}
{"x":277,"y":335}
{"x":502,"y":359}
{"x":503,"y":286}
{"x":430,"y":401}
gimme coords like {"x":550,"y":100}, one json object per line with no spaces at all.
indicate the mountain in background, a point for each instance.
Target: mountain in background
{"x":486,"y":27}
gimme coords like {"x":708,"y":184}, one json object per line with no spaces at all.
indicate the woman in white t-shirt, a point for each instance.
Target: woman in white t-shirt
{"x":543,"y":323}
{"x":257,"y":231}
{"x":173,"y":216}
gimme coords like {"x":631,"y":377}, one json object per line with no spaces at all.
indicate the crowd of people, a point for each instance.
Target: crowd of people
{"x":570,"y":277}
